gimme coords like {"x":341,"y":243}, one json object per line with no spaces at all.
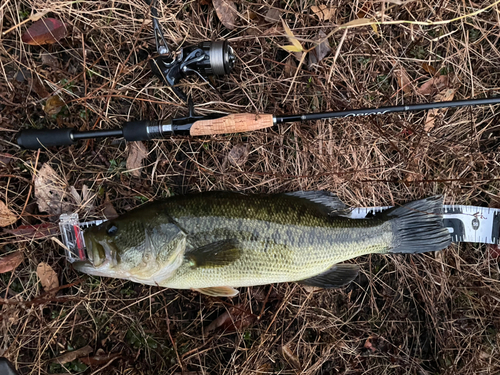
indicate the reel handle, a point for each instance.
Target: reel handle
{"x":236,"y":123}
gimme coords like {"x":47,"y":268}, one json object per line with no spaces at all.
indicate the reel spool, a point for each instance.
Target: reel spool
{"x":206,"y":59}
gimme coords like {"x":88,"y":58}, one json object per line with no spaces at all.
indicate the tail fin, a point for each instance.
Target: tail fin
{"x":418,"y":226}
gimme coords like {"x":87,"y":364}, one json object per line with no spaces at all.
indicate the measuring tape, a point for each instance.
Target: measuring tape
{"x":465,"y":224}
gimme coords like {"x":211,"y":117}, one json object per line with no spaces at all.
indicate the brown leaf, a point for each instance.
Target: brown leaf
{"x":227,"y":13}
{"x":493,"y":251}
{"x":444,"y":96}
{"x":100,"y":358}
{"x":251,"y":15}
{"x":38,"y":88}
{"x":35,"y":231}
{"x":429,"y":69}
{"x":50,"y":192}
{"x":434,"y":85}
{"x":237,"y":318}
{"x":71,"y":356}
{"x":48,"y":277}
{"x":205,"y":2}
{"x":6,"y":159}
{"x":53,"y":105}
{"x":136,"y":154}
{"x":290,"y":67}
{"x":7,"y":217}
{"x":323,"y":12}
{"x":238,"y":155}
{"x":45,"y":31}
{"x":273,"y":15}
{"x":290,"y":357}
{"x":10,"y":262}
{"x":404,"y":80}
{"x":109,"y":211}
{"x":371,"y":343}
{"x":49,"y":60}
{"x":320,"y":51}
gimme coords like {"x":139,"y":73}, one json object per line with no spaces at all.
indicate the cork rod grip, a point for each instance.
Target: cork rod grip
{"x":237,"y":123}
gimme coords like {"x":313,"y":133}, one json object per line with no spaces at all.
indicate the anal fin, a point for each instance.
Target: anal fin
{"x":218,"y":291}
{"x":335,"y":277}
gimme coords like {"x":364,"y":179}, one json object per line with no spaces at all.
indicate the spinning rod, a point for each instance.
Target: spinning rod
{"x":195,"y":125}
{"x":203,"y":60}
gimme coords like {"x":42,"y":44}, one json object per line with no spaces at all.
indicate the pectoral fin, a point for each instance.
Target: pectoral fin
{"x":335,"y":277}
{"x":216,"y":254}
{"x":218,"y":291}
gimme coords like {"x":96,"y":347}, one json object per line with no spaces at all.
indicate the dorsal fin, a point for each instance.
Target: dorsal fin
{"x":329,"y":201}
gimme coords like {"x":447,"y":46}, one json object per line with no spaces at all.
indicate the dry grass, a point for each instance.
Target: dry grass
{"x":426,"y":314}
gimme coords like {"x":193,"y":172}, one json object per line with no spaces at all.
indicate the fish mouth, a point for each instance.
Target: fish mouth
{"x":95,"y":251}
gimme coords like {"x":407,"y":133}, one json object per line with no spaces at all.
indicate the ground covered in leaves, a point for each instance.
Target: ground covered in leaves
{"x":422,"y":314}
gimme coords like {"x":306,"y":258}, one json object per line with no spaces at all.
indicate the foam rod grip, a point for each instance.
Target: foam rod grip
{"x":237,"y":123}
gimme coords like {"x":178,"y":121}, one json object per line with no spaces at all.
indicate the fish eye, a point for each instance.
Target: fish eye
{"x":112,"y":229}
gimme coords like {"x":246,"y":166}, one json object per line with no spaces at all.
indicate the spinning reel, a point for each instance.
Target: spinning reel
{"x":204,"y":60}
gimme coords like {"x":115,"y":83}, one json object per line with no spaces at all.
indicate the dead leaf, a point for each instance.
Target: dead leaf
{"x":357,"y":22}
{"x":47,"y":276}
{"x":37,"y":16}
{"x":49,"y":60}
{"x":6,"y":159}
{"x":296,"y":46}
{"x":320,"y":51}
{"x":311,"y":289}
{"x":45,"y":31}
{"x":50,"y":192}
{"x":205,"y":2}
{"x":136,"y":154}
{"x":7,"y":217}
{"x":404,"y":80}
{"x":493,"y":251}
{"x":323,"y":12}
{"x":237,"y":318}
{"x":227,"y":13}
{"x":11,"y":262}
{"x":85,"y":201}
{"x":434,"y":85}
{"x":109,"y":211}
{"x":74,"y":354}
{"x":444,"y":96}
{"x":290,"y":357}
{"x":429,"y":69}
{"x":371,"y":343}
{"x":38,"y":88}
{"x":53,"y":105}
{"x":273,"y":15}
{"x":250,"y":15}
{"x":290,"y":67}
{"x":238,"y":155}
{"x":35,"y":231}
{"x":100,"y":358}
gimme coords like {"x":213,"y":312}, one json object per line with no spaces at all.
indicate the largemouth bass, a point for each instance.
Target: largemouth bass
{"x":214,"y":242}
